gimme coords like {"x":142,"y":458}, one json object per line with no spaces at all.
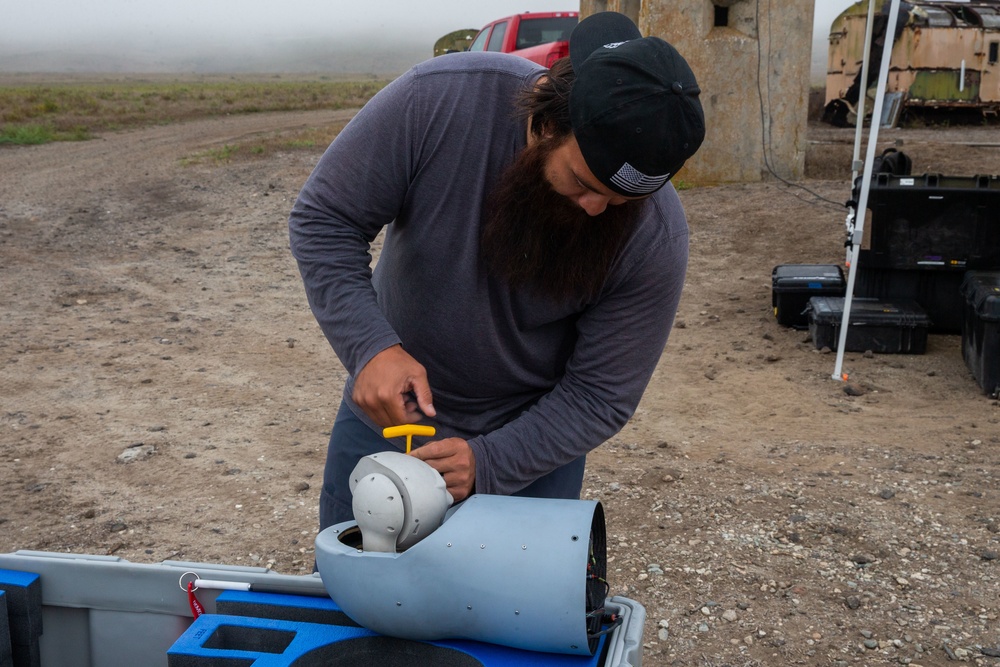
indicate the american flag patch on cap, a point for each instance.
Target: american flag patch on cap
{"x":632,"y":180}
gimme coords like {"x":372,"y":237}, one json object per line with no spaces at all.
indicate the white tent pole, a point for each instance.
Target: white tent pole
{"x":863,"y":96}
{"x":866,"y":182}
{"x":859,"y":124}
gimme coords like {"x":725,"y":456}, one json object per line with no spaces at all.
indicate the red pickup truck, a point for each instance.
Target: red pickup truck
{"x":539,"y":36}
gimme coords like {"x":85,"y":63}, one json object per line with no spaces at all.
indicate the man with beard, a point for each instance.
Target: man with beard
{"x":532,"y":262}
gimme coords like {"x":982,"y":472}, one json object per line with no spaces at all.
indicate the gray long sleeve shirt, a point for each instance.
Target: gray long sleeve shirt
{"x":531,"y":383}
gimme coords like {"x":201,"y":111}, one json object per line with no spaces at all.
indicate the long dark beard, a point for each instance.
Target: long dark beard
{"x":534,"y":237}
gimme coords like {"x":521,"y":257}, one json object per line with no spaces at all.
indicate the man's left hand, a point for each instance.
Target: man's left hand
{"x":453,"y":458}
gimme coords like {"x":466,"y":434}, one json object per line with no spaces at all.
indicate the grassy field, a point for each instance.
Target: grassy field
{"x":76,"y":110}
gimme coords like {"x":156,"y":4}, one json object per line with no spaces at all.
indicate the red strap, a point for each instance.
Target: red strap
{"x":196,"y":608}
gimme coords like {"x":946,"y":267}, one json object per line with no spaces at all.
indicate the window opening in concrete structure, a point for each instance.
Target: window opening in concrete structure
{"x":721,"y":17}
{"x":994,"y":52}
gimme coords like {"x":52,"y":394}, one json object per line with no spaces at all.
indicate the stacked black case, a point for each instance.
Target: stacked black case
{"x":792,"y":285}
{"x":925,"y":232}
{"x":885,"y":327}
{"x":981,"y":328}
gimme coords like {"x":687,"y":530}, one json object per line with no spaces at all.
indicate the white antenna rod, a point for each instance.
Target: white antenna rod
{"x":863,"y":93}
{"x":866,"y":182}
{"x":856,"y":163}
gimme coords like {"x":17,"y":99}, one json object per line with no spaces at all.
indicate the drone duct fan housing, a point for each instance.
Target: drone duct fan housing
{"x":528,"y":573}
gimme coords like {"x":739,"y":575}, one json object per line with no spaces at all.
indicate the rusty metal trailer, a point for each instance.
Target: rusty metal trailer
{"x":946,"y":55}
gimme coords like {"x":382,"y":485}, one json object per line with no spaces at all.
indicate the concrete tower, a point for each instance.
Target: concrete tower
{"x":752,"y":61}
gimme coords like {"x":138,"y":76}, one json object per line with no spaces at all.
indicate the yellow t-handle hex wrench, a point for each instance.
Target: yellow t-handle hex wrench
{"x":409,"y":430}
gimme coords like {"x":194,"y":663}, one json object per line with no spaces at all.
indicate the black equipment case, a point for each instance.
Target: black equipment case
{"x":792,"y":285}
{"x":981,"y":328}
{"x":938,"y":292}
{"x":924,"y":233}
{"x":934,"y":222}
{"x":880,"y":326}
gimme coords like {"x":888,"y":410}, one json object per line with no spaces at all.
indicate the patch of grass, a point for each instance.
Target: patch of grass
{"x":265,"y":146}
{"x":25,"y":134}
{"x":72,"y":111}
{"x":223,"y":154}
{"x":31,"y":134}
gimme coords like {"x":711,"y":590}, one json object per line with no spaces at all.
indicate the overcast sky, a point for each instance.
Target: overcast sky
{"x":45,"y":24}
{"x":48,"y":20}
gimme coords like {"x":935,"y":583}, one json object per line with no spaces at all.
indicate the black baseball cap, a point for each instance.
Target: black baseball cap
{"x":634,"y":107}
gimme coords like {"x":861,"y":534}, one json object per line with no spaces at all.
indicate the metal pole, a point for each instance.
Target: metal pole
{"x":859,"y":124}
{"x":866,"y":181}
{"x":863,"y":96}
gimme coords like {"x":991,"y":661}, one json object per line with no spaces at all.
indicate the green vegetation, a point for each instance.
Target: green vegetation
{"x":32,"y":114}
{"x":40,"y":134}
{"x":263,"y":146}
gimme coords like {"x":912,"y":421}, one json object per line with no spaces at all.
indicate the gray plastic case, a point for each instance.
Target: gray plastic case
{"x":103,"y":611}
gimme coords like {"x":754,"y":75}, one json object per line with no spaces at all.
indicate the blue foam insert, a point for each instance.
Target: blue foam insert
{"x":282,"y":607}
{"x":18,"y":578}
{"x":273,"y":643}
{"x":23,"y":592}
{"x":307,"y":602}
{"x":312,"y":609}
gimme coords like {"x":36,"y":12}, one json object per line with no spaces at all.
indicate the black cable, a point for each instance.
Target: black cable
{"x":615,"y":621}
{"x":765,"y":134}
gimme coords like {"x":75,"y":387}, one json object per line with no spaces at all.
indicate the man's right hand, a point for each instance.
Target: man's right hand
{"x":387,"y":385}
